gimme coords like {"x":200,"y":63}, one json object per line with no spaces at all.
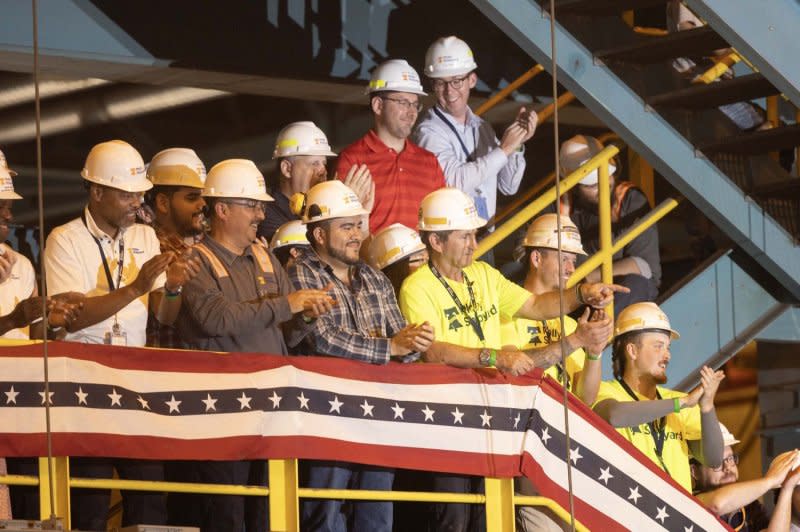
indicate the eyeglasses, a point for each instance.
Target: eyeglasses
{"x":405,"y":104}
{"x":439,"y":84}
{"x":731,"y":460}
{"x":253,"y":205}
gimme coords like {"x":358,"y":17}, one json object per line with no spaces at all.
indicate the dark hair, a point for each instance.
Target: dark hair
{"x":150,"y":195}
{"x":324,"y":224}
{"x":210,"y":210}
{"x":283,"y":254}
{"x":618,"y":359}
{"x":425,"y":236}
{"x":397,"y":273}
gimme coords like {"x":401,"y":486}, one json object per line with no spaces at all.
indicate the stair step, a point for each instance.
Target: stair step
{"x":691,"y":43}
{"x":601,"y":7}
{"x":788,"y":189}
{"x":779,"y":138}
{"x":708,"y":95}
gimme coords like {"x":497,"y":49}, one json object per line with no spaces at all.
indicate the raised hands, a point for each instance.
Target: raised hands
{"x":600,"y":295}
{"x":412,"y":338}
{"x":311,"y":302}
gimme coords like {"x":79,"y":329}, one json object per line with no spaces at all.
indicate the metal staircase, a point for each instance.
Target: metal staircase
{"x":628,"y":81}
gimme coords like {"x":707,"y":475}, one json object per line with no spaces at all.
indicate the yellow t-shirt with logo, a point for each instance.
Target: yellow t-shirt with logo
{"x":530,"y":334}
{"x":423,"y":298}
{"x":680,"y":428}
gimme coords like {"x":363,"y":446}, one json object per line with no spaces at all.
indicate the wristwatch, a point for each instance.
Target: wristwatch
{"x":484,"y":357}
{"x":173,"y":293}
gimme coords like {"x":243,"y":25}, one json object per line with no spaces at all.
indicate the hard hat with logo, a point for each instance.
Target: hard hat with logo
{"x":641,"y":317}
{"x":7,"y":186}
{"x":448,"y":209}
{"x":391,"y":244}
{"x":4,"y":164}
{"x":543,"y":233}
{"x":576,"y":152}
{"x":395,"y":75}
{"x":236,"y":178}
{"x":449,"y":56}
{"x":292,"y":233}
{"x":179,"y":167}
{"x":301,"y":138}
{"x":727,"y":438}
{"x":116,"y":164}
{"x":328,"y":200}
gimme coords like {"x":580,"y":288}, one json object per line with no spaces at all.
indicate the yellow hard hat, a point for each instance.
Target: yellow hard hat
{"x":392,"y":244}
{"x":292,"y":233}
{"x":177,"y":167}
{"x":543,"y":233}
{"x":448,"y":209}
{"x":643,"y":316}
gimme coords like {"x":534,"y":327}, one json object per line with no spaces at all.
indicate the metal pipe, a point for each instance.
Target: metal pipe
{"x":508,"y":89}
{"x":519,"y":219}
{"x":604,"y":212}
{"x":721,"y":66}
{"x":663,"y":208}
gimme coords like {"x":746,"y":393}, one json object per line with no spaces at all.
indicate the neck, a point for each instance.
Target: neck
{"x":447,"y":269}
{"x":533,"y":284}
{"x":166,"y":225}
{"x":390,"y":140}
{"x":641,"y":384}
{"x":102,"y":223}
{"x":461,"y":117}
{"x":340,"y":269}
{"x":227,"y":240}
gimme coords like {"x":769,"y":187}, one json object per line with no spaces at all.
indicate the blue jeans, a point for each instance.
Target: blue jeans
{"x":327,"y":515}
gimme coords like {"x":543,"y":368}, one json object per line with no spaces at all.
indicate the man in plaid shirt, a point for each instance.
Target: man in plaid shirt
{"x":365,"y":325}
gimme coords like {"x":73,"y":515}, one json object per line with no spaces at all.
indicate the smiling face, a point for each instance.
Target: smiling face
{"x":114,"y":209}
{"x":544,"y":264}
{"x":452,"y":93}
{"x":184,"y":208}
{"x":239,"y":220}
{"x":707,"y":478}
{"x":456,"y":251}
{"x":339,"y":240}
{"x":395,"y":113}
{"x":5,"y":218}
{"x":649,"y":356}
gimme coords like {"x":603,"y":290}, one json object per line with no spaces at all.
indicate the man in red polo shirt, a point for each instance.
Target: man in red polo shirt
{"x":402,"y":173}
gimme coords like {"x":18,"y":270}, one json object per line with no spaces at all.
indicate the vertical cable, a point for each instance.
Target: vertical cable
{"x":561,"y":309}
{"x":40,"y":190}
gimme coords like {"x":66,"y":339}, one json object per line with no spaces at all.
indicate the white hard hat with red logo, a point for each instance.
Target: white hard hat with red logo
{"x":642,"y":317}
{"x":449,"y":56}
{"x":392,"y":244}
{"x":328,"y":200}
{"x":4,"y":164}
{"x":543,"y":233}
{"x":177,"y":167}
{"x":236,"y":178}
{"x":301,"y":138}
{"x":395,"y":75}
{"x":7,"y":186}
{"x":116,"y":164}
{"x":292,"y":233}
{"x":448,"y":209}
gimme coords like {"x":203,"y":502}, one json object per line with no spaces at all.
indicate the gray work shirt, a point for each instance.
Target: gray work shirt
{"x":229,"y":313}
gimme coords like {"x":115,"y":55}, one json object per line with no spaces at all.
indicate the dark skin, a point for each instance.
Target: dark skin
{"x":61,"y":310}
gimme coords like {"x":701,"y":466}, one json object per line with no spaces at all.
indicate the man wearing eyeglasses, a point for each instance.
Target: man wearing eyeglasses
{"x":402,"y":173}
{"x":472,"y":157}
{"x":737,"y":502}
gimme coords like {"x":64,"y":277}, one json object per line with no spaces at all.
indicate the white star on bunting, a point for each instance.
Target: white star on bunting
{"x":115,"y":397}
{"x":210,"y":402}
{"x":634,"y":496}
{"x":244,"y":401}
{"x":428,"y":413}
{"x":336,"y":405}
{"x":276,"y":399}
{"x":143,"y":402}
{"x":457,"y":415}
{"x":173,"y":404}
{"x":486,"y":419}
{"x":303,"y":400}
{"x":398,"y":411}
{"x":688,"y":528}
{"x":367,"y":408}
{"x":575,"y":455}
{"x":82,"y":396}
{"x":11,"y":396}
{"x":605,"y":475}
{"x":516,"y":420}
{"x":49,"y":397}
{"x":662,"y":514}
{"x":545,"y":435}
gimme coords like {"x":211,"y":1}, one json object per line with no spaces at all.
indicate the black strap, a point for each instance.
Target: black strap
{"x":107,"y":269}
{"x":469,"y":156}
{"x":476,"y":326}
{"x":659,"y":433}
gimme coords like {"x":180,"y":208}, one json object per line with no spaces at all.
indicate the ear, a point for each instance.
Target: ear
{"x":319,"y":235}
{"x":96,"y":192}
{"x":631,"y":350}
{"x":472,"y":79}
{"x":286,"y":168}
{"x":294,"y":252}
{"x":162,"y":203}
{"x":693,"y":471}
{"x":436,"y":243}
{"x":376,"y":103}
{"x":534,"y":259}
{"x":221,"y":210}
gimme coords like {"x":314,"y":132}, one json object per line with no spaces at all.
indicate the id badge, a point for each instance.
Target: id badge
{"x":117,"y":336}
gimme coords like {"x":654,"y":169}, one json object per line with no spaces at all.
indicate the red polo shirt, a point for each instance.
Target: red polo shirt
{"x":401,"y":179}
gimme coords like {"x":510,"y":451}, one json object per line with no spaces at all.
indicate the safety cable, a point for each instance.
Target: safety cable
{"x":42,"y":292}
{"x":561,"y":309}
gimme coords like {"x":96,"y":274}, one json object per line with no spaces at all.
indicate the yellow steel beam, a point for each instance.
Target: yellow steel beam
{"x":503,"y":93}
{"x":652,"y":32}
{"x":499,"y":504}
{"x":403,"y":496}
{"x":560,"y":102}
{"x":624,"y":239}
{"x":178,"y":487}
{"x":19,"y":480}
{"x":556,"y":508}
{"x":536,"y":206}
{"x":720,"y":67}
{"x":60,"y":483}
{"x":284,"y":504}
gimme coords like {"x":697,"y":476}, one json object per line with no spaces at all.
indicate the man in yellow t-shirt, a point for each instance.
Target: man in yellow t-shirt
{"x":666,"y":425}
{"x":463,"y":300}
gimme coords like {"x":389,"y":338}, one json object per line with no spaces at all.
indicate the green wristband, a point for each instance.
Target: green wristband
{"x":592,"y":357}
{"x":492,"y":357}
{"x":677,"y":405}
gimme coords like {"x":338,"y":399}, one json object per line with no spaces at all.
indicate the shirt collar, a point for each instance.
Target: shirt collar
{"x":224,"y":254}
{"x":473,"y":120}
{"x":374,"y":143}
{"x":98,"y":233}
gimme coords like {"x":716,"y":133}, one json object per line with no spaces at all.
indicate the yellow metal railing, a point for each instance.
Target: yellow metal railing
{"x":284,"y":494}
{"x":721,"y":66}
{"x":503,"y":93}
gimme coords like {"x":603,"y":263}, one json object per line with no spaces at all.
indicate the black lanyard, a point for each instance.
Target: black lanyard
{"x":476,"y":326}
{"x":469,"y":156}
{"x":107,"y":269}
{"x":659,"y":435}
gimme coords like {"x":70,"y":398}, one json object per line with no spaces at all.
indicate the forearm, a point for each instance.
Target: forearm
{"x":782,"y":513}
{"x":546,"y":306}
{"x":588,"y":381}
{"x":547,"y":355}
{"x":99,"y":308}
{"x":9,"y":322}
{"x":730,"y":497}
{"x":167,"y":308}
{"x":712,"y":448}
{"x":452,"y":355}
{"x":633,"y":413}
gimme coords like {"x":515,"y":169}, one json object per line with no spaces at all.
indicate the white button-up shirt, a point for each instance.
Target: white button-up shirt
{"x":73,"y":264}
{"x":19,"y":285}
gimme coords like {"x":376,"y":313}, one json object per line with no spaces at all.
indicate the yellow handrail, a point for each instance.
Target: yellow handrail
{"x":508,"y":89}
{"x":663,"y":208}
{"x":651,"y":32}
{"x":536,"y":206}
{"x":720,"y":67}
{"x":549,"y":109}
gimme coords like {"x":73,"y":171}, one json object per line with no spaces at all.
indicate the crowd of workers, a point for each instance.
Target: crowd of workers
{"x":375,"y":265}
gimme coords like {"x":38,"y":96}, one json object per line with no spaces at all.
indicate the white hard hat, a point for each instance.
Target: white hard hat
{"x":392,"y":244}
{"x":116,"y":164}
{"x":7,"y":186}
{"x":177,"y":167}
{"x":543,"y":233}
{"x":643,"y":316}
{"x":576,"y":152}
{"x":292,"y":233}
{"x":727,"y":438}
{"x":236,"y":178}
{"x":4,"y":164}
{"x":330,"y":199}
{"x":448,"y":209}
{"x":395,"y":75}
{"x":448,"y":56}
{"x":301,"y":138}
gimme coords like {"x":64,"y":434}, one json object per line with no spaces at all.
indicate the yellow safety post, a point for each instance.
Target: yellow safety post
{"x":560,"y":102}
{"x":499,"y":504}
{"x":530,"y":500}
{"x":650,"y":32}
{"x":284,"y":504}
{"x":60,"y":477}
{"x":641,"y":174}
{"x":589,"y":265}
{"x":604,"y":208}
{"x":536,"y":206}
{"x":628,"y":17}
{"x":720,"y":67}
{"x":774,"y":119}
{"x":503,"y":93}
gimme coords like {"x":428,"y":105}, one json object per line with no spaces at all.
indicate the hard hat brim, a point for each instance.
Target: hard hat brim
{"x":261,"y":196}
{"x":370,"y":90}
{"x":454,"y":72}
{"x":142,"y":185}
{"x":9,"y":196}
